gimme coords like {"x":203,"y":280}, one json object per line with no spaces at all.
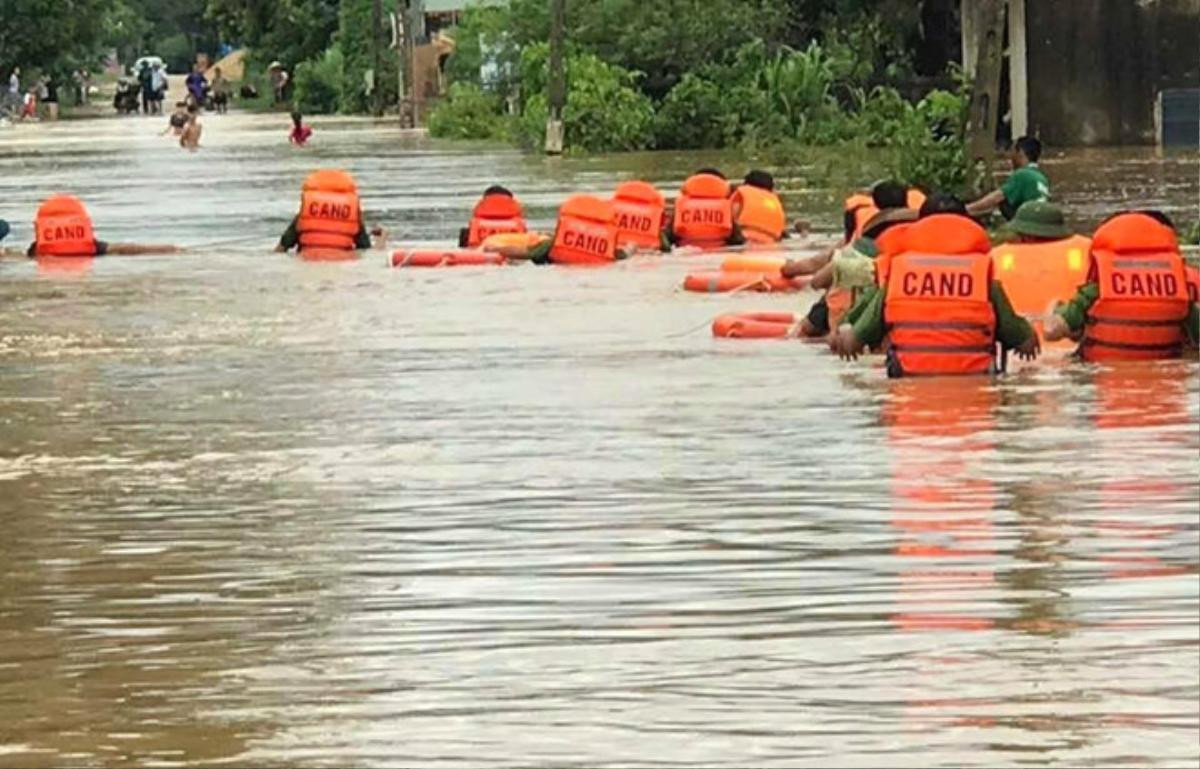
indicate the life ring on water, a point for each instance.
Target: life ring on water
{"x":751,"y":263}
{"x":447,"y":258}
{"x":317,"y":254}
{"x":724,"y":282}
{"x":755,"y":325}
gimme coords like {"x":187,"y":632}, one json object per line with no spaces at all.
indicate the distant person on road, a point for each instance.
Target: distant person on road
{"x":145,"y":78}
{"x":300,"y":133}
{"x":1026,"y":183}
{"x":279,"y":79}
{"x":160,"y":85}
{"x":14,"y":88}
{"x":197,"y":85}
{"x":50,"y":102}
{"x":220,"y":92}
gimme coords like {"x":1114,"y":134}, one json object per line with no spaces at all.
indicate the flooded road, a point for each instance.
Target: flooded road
{"x":261,"y":512}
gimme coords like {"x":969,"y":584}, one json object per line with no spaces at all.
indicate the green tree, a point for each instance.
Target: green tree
{"x":48,"y":34}
{"x":354,"y":38}
{"x":291,"y":31}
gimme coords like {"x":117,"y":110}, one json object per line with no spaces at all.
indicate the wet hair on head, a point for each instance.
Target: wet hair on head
{"x":889,"y":194}
{"x":1157,"y":216}
{"x":760,"y":179}
{"x":297,"y":117}
{"x":1030,"y":147}
{"x":1153,"y":213}
{"x":711,"y":171}
{"x":941,"y":203}
{"x":496,"y":189}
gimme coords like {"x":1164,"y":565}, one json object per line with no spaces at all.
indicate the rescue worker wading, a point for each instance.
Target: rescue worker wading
{"x":496,"y":213}
{"x":940,"y":311}
{"x":330,"y":221}
{"x":586,"y":234}
{"x":704,"y":213}
{"x":640,"y":210}
{"x":1135,"y":305}
{"x":63,"y":227}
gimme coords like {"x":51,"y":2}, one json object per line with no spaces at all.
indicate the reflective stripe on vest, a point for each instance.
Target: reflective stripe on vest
{"x":761,"y":218}
{"x":938,"y":307}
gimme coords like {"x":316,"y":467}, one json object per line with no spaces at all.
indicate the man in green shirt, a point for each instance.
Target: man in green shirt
{"x":1026,"y":183}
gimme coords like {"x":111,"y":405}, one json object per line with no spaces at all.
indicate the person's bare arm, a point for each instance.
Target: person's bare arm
{"x":140,"y":249}
{"x":823,"y":278}
{"x":989,"y":202}
{"x":793,"y":268}
{"x":845,"y":343}
{"x":1055,"y":328}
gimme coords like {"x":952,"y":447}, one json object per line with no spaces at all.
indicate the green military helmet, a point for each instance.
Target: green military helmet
{"x":1039,"y":219}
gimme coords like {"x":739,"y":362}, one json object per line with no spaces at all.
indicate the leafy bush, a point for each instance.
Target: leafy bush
{"x":318,"y":83}
{"x":605,"y":112}
{"x":693,"y":116}
{"x":930,"y":151}
{"x":467,"y":112}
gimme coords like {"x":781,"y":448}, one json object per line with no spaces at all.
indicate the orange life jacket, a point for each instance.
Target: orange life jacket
{"x":639,"y":209}
{"x":862,"y":208}
{"x":329,"y":212}
{"x":703,"y":212}
{"x":63,"y":228}
{"x":586,"y":232}
{"x":1036,"y":276}
{"x":915,"y":200}
{"x":938,"y":307}
{"x":1193,"y":284}
{"x":1143,"y":292}
{"x":761,"y":217}
{"x":494,"y":214}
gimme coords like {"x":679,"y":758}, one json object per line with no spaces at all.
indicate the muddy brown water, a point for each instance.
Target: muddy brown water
{"x":261,"y":512}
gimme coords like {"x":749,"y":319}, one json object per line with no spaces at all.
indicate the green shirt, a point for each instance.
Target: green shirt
{"x":1023,"y":185}
{"x":1074,"y":312}
{"x":867,"y":318}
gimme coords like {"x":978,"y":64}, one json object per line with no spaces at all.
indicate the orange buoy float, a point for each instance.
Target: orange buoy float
{"x":445,"y":258}
{"x":723,"y":282}
{"x":513,"y":240}
{"x":1036,"y":276}
{"x":755,"y":325}
{"x":753,"y":263}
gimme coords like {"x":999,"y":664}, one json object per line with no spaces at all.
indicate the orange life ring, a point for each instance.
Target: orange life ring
{"x":752,"y":263}
{"x":318,"y":254}
{"x":723,"y":282}
{"x":446,"y":258}
{"x":755,"y":325}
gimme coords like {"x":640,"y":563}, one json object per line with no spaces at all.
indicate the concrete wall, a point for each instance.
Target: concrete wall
{"x":1095,"y":66}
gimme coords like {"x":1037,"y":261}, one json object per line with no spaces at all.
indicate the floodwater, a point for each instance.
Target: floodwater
{"x":259,"y":511}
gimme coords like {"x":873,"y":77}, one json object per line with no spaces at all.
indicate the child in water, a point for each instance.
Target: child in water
{"x":189,"y":138}
{"x":300,"y":132}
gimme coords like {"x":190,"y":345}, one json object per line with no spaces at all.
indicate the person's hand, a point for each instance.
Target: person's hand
{"x":843,"y":342}
{"x":788,"y":269}
{"x":1029,"y":349}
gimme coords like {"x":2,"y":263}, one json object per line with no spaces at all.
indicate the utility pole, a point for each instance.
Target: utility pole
{"x":983,"y":53}
{"x":558,"y":81}
{"x":377,"y":52}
